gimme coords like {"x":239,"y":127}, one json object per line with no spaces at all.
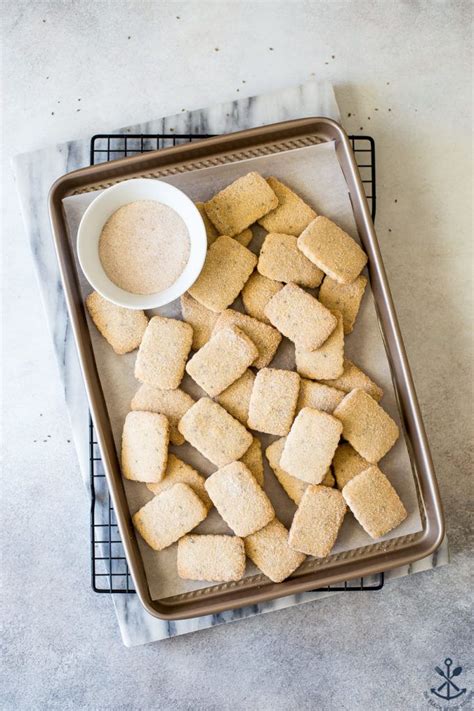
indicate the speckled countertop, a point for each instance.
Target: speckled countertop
{"x":402,"y":72}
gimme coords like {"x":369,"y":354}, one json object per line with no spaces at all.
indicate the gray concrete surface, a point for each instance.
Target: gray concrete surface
{"x":403,"y":72}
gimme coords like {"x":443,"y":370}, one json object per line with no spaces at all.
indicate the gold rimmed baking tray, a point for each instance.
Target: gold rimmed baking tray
{"x":336,"y":568}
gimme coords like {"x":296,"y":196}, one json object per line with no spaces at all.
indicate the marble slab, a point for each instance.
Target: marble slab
{"x":35,"y":172}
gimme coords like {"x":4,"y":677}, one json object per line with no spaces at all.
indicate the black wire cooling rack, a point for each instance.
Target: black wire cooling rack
{"x":109,"y":569}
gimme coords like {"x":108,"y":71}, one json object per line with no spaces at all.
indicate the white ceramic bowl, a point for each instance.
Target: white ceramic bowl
{"x":104,"y":206}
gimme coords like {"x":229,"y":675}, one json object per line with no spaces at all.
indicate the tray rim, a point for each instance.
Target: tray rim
{"x":223,"y":597}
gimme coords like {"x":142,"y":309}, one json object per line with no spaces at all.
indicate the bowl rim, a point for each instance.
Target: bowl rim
{"x":89,"y":260}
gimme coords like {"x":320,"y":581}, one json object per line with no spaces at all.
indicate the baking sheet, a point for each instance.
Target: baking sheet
{"x":315,"y":174}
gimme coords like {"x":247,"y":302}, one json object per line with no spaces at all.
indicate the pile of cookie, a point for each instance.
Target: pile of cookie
{"x":331,"y":430}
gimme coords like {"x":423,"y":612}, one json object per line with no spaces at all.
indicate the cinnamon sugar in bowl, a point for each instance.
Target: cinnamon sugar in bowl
{"x":141,"y":243}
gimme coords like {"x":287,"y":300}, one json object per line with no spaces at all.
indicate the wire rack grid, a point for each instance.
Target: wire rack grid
{"x":109,"y":569}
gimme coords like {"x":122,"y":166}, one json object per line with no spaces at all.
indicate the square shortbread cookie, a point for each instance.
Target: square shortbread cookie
{"x":122,"y":328}
{"x":257,"y":293}
{"x":254,"y":461}
{"x":172,"y":403}
{"x":366,"y":425}
{"x":317,"y":521}
{"x":269,"y":550}
{"x":374,"y":502}
{"x":347,"y":463}
{"x":199,"y":318}
{"x":266,"y":338}
{"x":332,"y":250}
{"x":353,"y":377}
{"x":227,"y":267}
{"x":300,"y":317}
{"x":240,"y":501}
{"x":280,"y":259}
{"x":292,"y":214}
{"x":241,"y":204}
{"x":211,"y":232}
{"x":345,"y":298}
{"x":245,"y":237}
{"x":328,"y":360}
{"x":310,"y":445}
{"x":163,"y":352}
{"x":222,"y":360}
{"x":178,"y":472}
{"x":168,"y":516}
{"x":217,"y":559}
{"x":329,"y":479}
{"x":214,"y":433}
{"x":236,"y":398}
{"x":320,"y":397}
{"x":145,"y":440}
{"x":293,"y":486}
{"x":273,"y":401}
